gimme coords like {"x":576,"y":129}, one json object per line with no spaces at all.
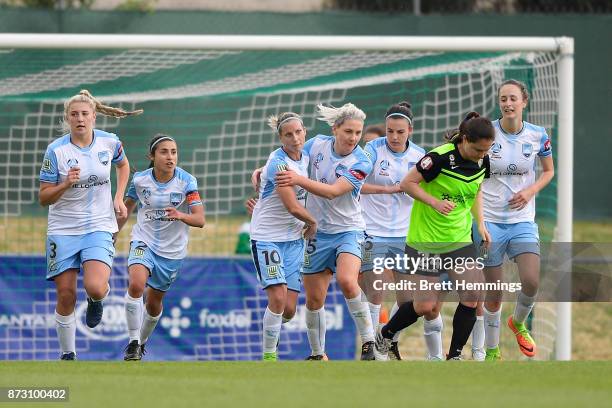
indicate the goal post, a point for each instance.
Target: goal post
{"x":189,"y":74}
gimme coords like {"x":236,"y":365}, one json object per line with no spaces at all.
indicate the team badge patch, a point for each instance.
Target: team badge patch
{"x":340,"y":170}
{"x":46,"y":167}
{"x":104,"y":157}
{"x":139,"y":252}
{"x":527,"y":150}
{"x":426,"y":163}
{"x":176,"y":198}
{"x":273,"y":271}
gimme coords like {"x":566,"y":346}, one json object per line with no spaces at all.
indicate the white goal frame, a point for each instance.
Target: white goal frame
{"x":563,"y":46}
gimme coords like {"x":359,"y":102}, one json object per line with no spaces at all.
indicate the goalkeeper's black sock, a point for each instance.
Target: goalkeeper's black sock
{"x":403,"y":318}
{"x":463,"y":322}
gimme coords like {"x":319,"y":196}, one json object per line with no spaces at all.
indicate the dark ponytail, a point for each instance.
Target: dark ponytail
{"x":473,"y":127}
{"x":400,"y":110}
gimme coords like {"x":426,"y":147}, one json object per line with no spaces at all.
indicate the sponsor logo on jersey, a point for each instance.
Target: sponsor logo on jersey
{"x":511,"y":170}
{"x":176,"y":198}
{"x":91,"y":183}
{"x":527,"y":150}
{"x":457,"y":199}
{"x":104,"y":157}
{"x":451,"y":158}
{"x":547,"y":145}
{"x":324,"y":180}
{"x":93,"y":178}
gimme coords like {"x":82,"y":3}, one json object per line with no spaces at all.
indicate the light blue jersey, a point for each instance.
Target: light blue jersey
{"x":167,"y":237}
{"x":342,"y":213}
{"x":271,"y":221}
{"x":388,"y":215}
{"x":87,"y":206}
{"x":513,"y":168}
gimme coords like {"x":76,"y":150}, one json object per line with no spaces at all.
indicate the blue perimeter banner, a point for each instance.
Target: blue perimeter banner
{"x":212,"y":312}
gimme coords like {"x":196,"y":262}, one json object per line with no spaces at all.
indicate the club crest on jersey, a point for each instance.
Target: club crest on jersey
{"x":496,"y":148}
{"x":527,"y":150}
{"x":318,"y":160}
{"x":340,"y":170}
{"x":72,"y":163}
{"x":176,"y":198}
{"x":104,"y":157}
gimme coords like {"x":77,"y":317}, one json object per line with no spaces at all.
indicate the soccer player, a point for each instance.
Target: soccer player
{"x":278,"y":228}
{"x":373,"y":132}
{"x":338,"y":168}
{"x":445,"y":184}
{"x":386,"y":209}
{"x":168,"y":204}
{"x":75,"y":183}
{"x":509,"y":212}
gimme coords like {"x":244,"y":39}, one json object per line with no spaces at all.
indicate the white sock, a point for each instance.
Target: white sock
{"x":374,"y":314}
{"x":271,"y":330}
{"x":394,"y":310}
{"x":148,"y":325}
{"x":364,"y":298}
{"x":66,"y":332}
{"x":315,"y":324}
{"x":361,"y":316}
{"x":478,"y":335}
{"x":491,"y":327}
{"x":133,"y":315}
{"x":524,"y":305}
{"x":432,"y":332}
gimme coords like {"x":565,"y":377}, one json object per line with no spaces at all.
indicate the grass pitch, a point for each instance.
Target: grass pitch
{"x":318,"y":384}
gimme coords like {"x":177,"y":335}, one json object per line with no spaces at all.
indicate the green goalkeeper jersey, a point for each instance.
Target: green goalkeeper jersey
{"x":447,"y":176}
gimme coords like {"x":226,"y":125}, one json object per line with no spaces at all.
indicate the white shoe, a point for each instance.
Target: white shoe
{"x":478,"y":355}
